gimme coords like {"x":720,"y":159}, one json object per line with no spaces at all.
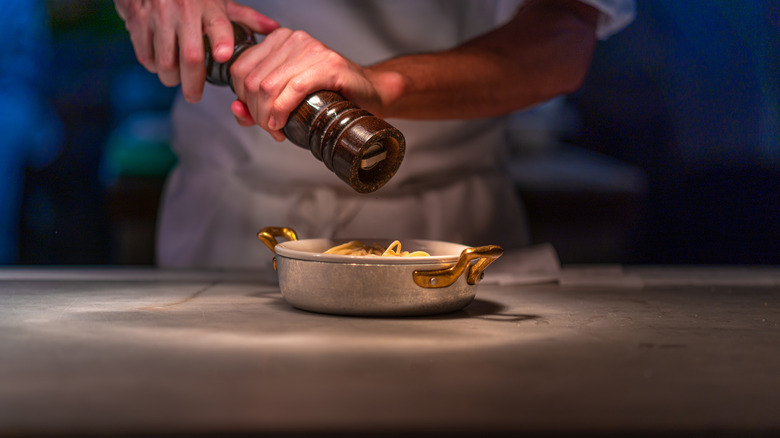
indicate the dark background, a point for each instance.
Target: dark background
{"x":672,"y":154}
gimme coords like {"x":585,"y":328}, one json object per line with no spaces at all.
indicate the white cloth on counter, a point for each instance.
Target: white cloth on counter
{"x":539,"y":264}
{"x":530,"y":265}
{"x":232,"y":181}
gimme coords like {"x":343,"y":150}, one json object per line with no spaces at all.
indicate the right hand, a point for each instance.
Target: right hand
{"x":274,"y":76}
{"x":167,"y":36}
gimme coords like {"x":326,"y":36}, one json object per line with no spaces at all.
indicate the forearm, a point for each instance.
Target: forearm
{"x":544,"y":51}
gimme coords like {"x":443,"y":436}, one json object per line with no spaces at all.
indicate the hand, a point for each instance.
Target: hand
{"x":273,"y":77}
{"x":167,"y":36}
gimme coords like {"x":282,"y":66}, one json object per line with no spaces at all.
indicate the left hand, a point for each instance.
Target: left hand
{"x":167,"y":36}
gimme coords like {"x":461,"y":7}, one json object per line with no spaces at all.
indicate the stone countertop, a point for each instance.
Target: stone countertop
{"x":134,"y":352}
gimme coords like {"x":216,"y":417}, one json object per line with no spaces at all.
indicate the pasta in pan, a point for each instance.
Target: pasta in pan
{"x":358,"y":248}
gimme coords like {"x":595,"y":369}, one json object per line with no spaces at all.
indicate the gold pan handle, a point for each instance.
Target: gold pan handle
{"x":268,"y":236}
{"x":484,"y":255}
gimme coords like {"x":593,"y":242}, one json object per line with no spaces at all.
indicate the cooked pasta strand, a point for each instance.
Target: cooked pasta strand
{"x":358,"y":248}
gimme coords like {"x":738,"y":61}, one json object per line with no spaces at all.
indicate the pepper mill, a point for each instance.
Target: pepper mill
{"x":363,"y":150}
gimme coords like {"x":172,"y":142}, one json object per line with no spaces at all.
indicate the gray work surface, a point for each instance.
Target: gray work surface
{"x":142,"y":352}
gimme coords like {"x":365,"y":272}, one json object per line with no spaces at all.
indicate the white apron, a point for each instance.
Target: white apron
{"x":231,"y":181}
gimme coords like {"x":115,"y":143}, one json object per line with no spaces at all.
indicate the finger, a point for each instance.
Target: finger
{"x":241,"y":112}
{"x":136,"y":20}
{"x":144,"y":49}
{"x":251,"y":18}
{"x":295,"y":91}
{"x":262,"y":56}
{"x":192,"y":66}
{"x":250,"y":72}
{"x":305,"y":74}
{"x":219,"y":30}
{"x":166,"y":55}
{"x":244,"y":118}
{"x":261,"y":90}
{"x":278,"y":136}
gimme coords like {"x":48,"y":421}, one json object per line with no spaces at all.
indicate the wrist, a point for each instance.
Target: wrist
{"x":390,"y":87}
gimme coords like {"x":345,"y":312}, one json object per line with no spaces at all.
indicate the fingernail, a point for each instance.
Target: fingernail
{"x":222,"y":51}
{"x":272,"y":123}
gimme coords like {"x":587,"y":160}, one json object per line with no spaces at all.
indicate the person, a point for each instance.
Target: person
{"x":445,"y":73}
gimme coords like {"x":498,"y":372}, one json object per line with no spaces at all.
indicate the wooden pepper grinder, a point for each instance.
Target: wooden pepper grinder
{"x":361,"y":149}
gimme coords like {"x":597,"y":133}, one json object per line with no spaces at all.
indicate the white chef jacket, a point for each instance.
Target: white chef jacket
{"x":231,"y":181}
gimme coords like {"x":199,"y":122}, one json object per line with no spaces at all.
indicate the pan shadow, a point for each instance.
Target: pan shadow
{"x":477,"y":309}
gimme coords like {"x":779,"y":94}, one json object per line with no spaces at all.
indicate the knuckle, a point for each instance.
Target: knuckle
{"x":218,"y":21}
{"x":299,"y":36}
{"x":299,"y":84}
{"x":192,"y":57}
{"x":248,"y":84}
{"x":252,"y":83}
{"x":266,"y":86}
{"x":167,"y":64}
{"x":236,"y":71}
{"x":334,"y":60}
{"x":239,"y":73}
{"x":315,"y":47}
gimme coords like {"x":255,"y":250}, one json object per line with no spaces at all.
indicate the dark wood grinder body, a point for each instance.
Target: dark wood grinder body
{"x":363,"y":150}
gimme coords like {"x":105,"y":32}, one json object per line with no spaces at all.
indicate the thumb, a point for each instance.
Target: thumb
{"x":250,"y":18}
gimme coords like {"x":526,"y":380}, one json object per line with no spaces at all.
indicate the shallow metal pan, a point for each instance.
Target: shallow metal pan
{"x":377,"y":286}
